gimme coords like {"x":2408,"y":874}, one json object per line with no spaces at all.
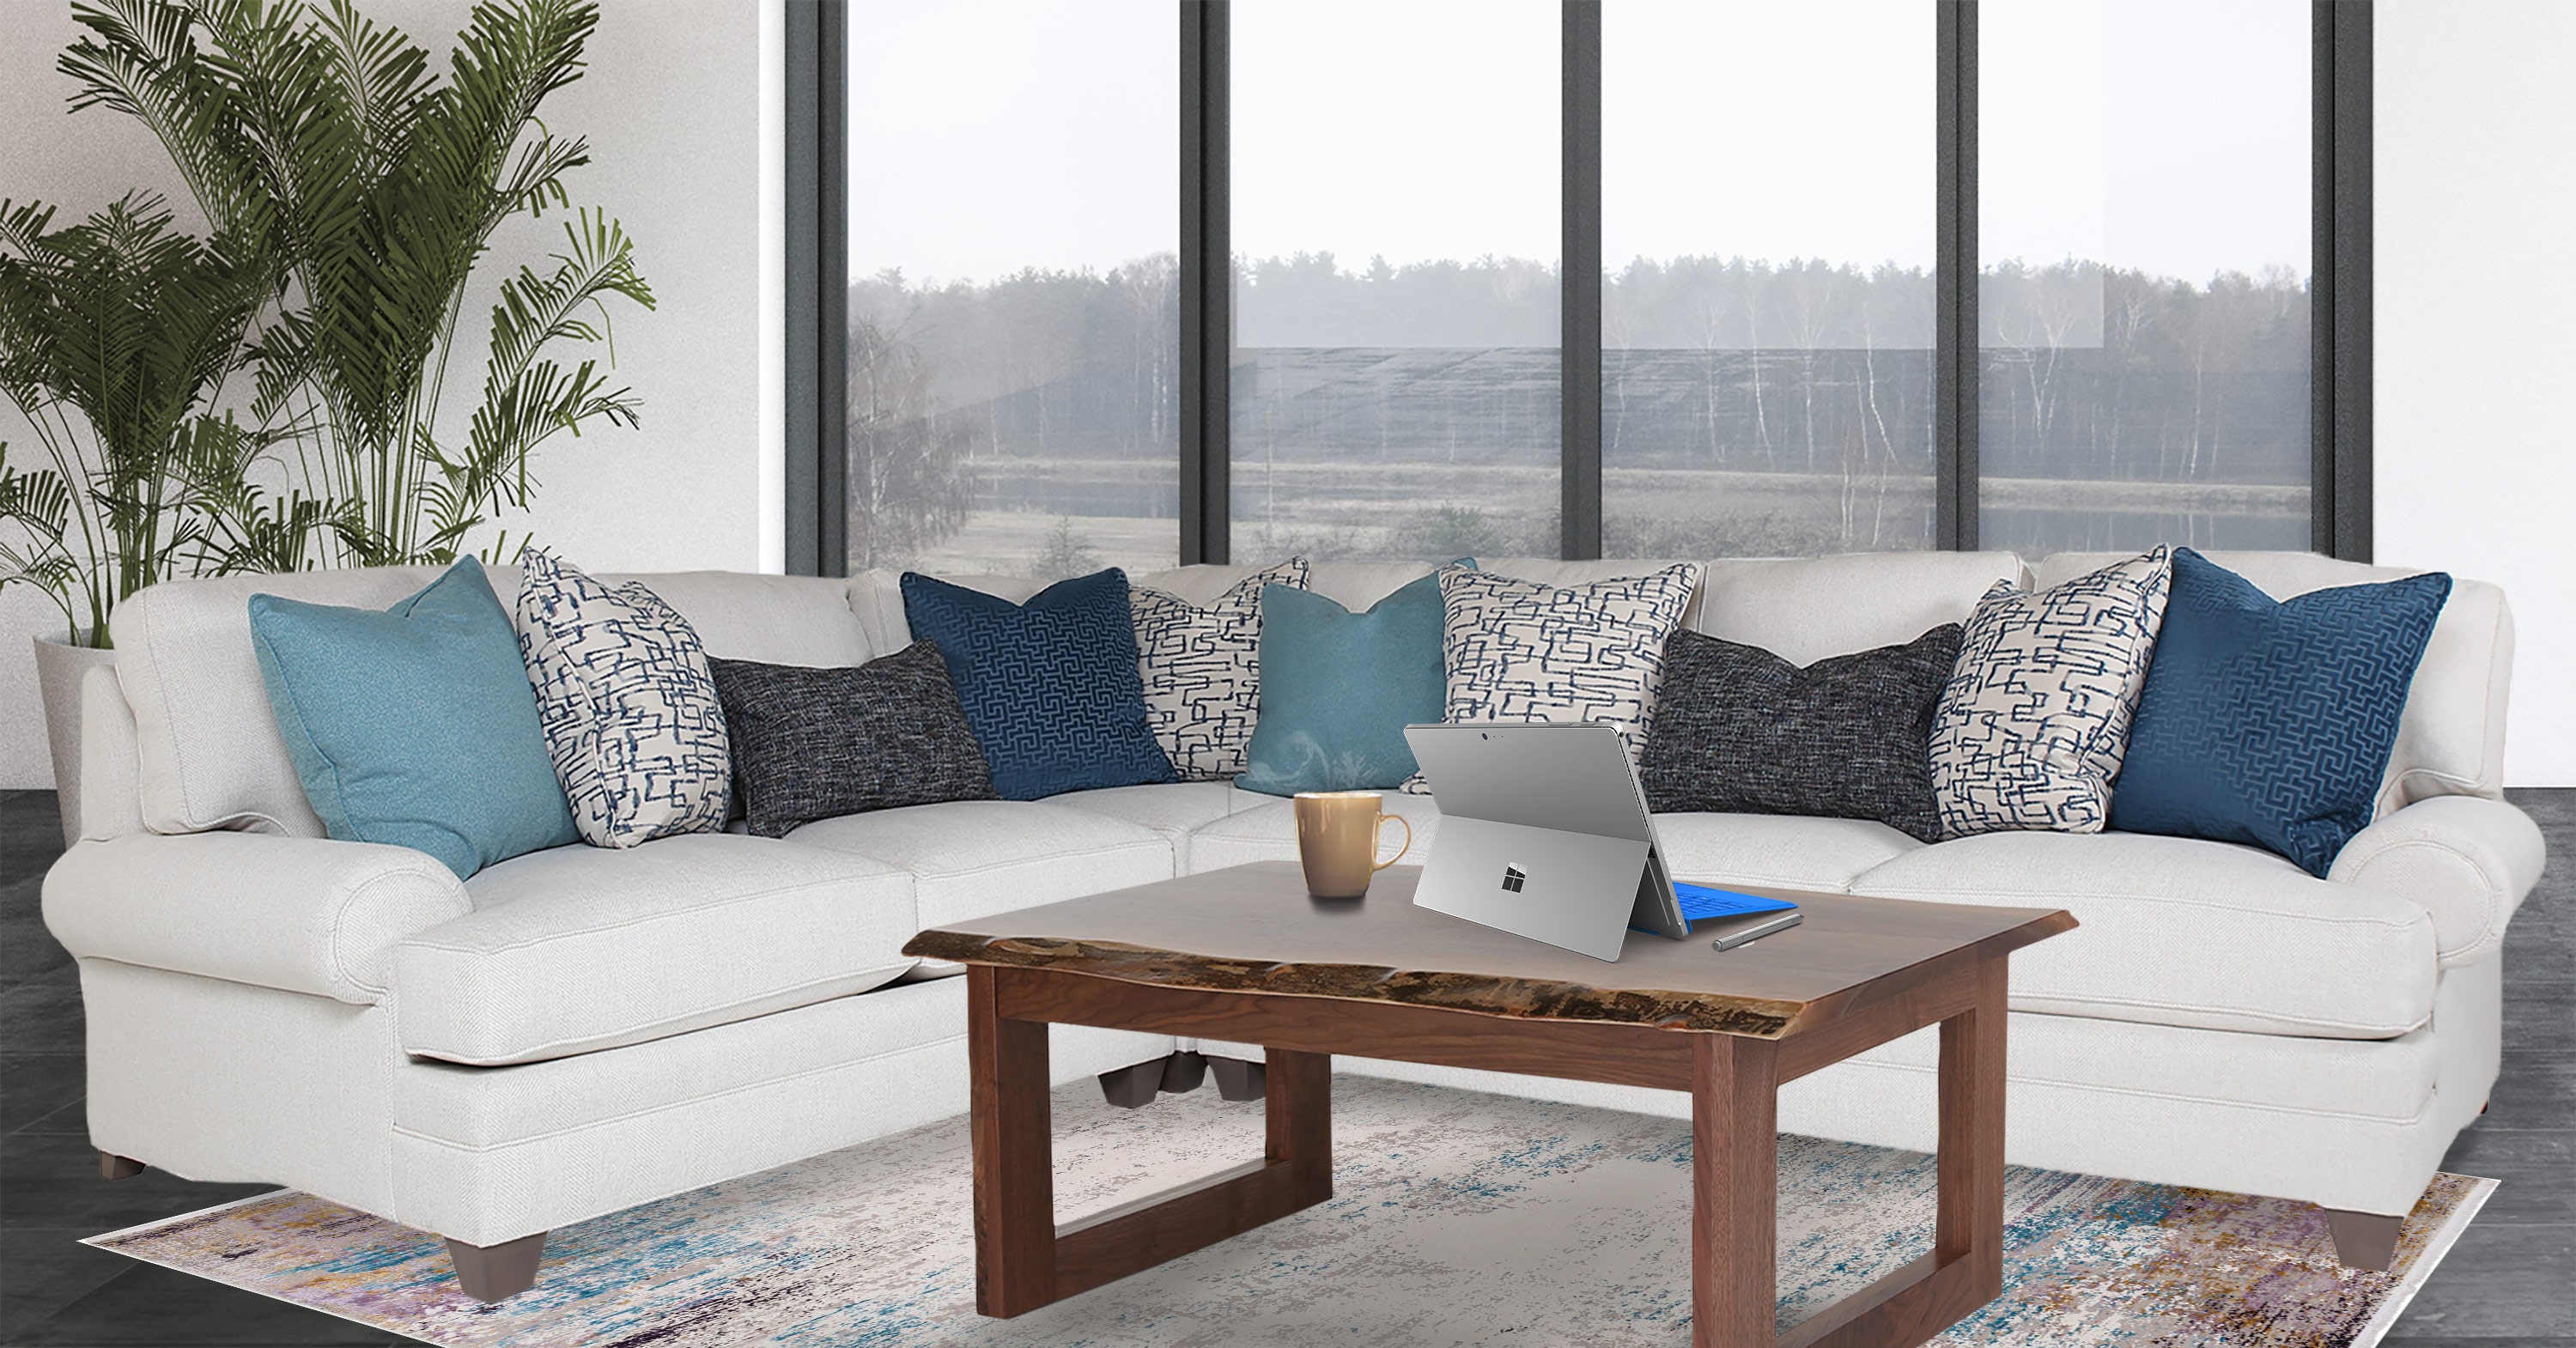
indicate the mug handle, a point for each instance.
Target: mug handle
{"x":1399,"y":852}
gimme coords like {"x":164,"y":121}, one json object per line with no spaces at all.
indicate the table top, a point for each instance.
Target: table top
{"x":1255,"y":929}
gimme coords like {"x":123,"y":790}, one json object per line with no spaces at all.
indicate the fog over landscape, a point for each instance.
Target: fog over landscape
{"x":1748,"y":408}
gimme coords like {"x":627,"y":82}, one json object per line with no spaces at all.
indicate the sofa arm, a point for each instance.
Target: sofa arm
{"x":2466,"y":860}
{"x":300,"y":914}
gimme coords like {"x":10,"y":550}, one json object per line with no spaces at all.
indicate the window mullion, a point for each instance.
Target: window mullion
{"x":1579,"y":338}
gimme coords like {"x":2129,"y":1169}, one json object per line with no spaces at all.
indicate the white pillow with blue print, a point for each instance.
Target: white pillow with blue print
{"x":2031,"y":729}
{"x":1525,"y":650}
{"x":628,"y":704}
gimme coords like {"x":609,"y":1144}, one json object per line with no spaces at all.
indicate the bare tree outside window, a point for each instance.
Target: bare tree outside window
{"x":1766,"y":359}
{"x":1397,"y":385}
{"x":1014,"y":341}
{"x":2143,"y":296}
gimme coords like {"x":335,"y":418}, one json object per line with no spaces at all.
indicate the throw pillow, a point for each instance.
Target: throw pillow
{"x":1049,"y":686}
{"x":629,"y":708}
{"x":1740,"y":730}
{"x":1338,"y":688}
{"x":2032,"y":725}
{"x":1201,"y":669}
{"x":816,"y":743}
{"x":2270,"y":721}
{"x":1524,"y":650}
{"x":414,"y":726}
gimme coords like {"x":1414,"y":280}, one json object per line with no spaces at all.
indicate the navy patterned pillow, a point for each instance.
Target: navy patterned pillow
{"x":629,"y":707}
{"x":2033,"y":723}
{"x":2270,"y":722}
{"x":1050,"y":687}
{"x":818,"y":743}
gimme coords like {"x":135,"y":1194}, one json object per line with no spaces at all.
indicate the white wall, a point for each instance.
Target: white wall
{"x":673,"y":104}
{"x":2475,"y":144}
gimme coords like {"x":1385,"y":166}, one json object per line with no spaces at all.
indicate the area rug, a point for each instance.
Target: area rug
{"x":1456,"y":1218}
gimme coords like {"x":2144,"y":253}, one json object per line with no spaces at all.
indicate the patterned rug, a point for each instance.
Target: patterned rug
{"x":1457,"y":1218}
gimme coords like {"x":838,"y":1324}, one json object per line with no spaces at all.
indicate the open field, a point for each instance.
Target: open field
{"x":1053,"y":514}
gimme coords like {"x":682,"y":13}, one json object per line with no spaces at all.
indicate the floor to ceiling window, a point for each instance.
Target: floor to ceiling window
{"x":1397,"y":374}
{"x":1013,"y":332}
{"x":2143,"y":236}
{"x":1135,"y":283}
{"x":1767,"y":298}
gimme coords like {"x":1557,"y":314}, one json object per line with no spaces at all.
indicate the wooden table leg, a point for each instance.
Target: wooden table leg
{"x":1300,"y":1122}
{"x":1971,"y":1165}
{"x":1014,"y":1154}
{"x":1023,"y":1260}
{"x":1735,"y":1167}
{"x":1966,"y":1267}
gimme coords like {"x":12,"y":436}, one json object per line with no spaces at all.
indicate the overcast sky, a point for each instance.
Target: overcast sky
{"x":989,"y":135}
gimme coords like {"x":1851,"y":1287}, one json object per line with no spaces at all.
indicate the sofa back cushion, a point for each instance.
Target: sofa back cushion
{"x":877,"y":596}
{"x":1805,"y":609}
{"x":776,"y":620}
{"x":209,"y":752}
{"x":2450,"y":741}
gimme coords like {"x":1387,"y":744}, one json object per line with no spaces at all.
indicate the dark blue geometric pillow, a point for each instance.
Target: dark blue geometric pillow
{"x":2270,"y":722}
{"x":1050,"y":687}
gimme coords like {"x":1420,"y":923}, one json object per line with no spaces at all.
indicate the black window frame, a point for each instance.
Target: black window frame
{"x":818,"y":283}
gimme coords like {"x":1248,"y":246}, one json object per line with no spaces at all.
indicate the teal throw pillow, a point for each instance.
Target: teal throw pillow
{"x":415,"y":726}
{"x":1338,"y":688}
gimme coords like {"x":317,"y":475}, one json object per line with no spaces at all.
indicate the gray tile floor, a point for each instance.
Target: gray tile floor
{"x":2511,"y":1283}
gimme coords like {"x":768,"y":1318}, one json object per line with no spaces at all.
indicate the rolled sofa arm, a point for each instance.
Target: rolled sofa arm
{"x":299,"y":914}
{"x":2466,"y":860}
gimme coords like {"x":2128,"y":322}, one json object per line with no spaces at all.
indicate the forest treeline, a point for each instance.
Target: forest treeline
{"x":2087,"y":372}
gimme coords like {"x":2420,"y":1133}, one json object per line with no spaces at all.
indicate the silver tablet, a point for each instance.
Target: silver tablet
{"x":1544,"y":832}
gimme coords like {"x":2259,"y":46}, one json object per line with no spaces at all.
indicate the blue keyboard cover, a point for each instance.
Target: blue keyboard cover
{"x":1700,"y":903}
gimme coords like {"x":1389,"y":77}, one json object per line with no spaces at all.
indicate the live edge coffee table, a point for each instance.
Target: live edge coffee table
{"x":1246,"y":955}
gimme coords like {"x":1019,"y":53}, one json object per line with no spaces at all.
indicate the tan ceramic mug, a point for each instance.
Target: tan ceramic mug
{"x":1337,"y":834}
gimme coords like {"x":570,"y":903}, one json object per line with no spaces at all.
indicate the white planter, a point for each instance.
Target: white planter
{"x":60,"y":667}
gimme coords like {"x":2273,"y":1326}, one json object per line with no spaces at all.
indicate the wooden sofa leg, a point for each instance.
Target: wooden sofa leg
{"x":2364,"y":1239}
{"x":113,"y":1166}
{"x":1132,"y":1087}
{"x":490,"y":1273}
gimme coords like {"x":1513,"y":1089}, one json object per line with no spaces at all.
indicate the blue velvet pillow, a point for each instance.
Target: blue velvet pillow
{"x":415,"y":726}
{"x":1338,"y":688}
{"x":2270,"y":722}
{"x":1050,"y":687}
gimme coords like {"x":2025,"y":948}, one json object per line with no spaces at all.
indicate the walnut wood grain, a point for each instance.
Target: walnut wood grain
{"x":1242,"y":955}
{"x":1625,"y":1055}
{"x":1734,"y":1168}
{"x":1971,"y":1159}
{"x":1014,"y":1155}
{"x":1478,"y":994}
{"x":1255,"y":929}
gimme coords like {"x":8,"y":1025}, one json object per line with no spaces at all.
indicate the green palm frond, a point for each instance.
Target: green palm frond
{"x":354,"y":186}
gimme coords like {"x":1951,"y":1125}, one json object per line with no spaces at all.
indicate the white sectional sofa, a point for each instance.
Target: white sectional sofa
{"x":577,"y":1031}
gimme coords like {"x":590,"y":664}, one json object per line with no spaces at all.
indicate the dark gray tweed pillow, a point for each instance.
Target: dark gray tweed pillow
{"x":810,"y":744}
{"x":1740,"y":730}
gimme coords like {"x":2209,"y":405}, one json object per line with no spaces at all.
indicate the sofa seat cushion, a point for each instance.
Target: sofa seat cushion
{"x":584,"y":948}
{"x":1776,"y":850}
{"x":2179,"y":931}
{"x":1173,"y":809}
{"x":1268,"y":832}
{"x":970,"y":858}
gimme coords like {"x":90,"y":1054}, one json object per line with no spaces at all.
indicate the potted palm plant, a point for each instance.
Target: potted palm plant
{"x":115,"y":334}
{"x":376,"y":187}
{"x":352,"y":193}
